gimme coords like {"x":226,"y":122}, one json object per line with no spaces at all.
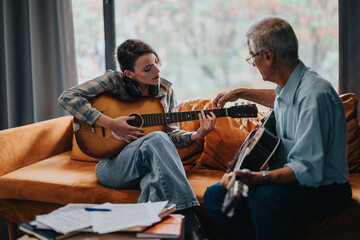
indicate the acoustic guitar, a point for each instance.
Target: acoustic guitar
{"x":99,"y":142}
{"x":254,"y":154}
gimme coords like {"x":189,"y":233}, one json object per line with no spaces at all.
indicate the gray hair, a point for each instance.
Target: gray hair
{"x":275,"y":34}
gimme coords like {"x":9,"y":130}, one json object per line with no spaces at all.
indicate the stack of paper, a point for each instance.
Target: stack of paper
{"x":104,"y":218}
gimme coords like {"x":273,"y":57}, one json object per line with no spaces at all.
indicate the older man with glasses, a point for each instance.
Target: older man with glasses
{"x":307,"y":179}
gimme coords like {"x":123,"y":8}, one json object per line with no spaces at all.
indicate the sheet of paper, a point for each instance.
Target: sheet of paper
{"x":39,"y":225}
{"x":73,"y":217}
{"x":158,"y":206}
{"x":75,"y":206}
{"x":123,"y":216}
{"x":68,"y":221}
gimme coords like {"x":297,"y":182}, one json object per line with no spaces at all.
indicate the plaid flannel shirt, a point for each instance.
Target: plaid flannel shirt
{"x":76,"y":102}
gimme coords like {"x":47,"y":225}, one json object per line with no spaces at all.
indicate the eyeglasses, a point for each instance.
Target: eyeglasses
{"x":250,"y":59}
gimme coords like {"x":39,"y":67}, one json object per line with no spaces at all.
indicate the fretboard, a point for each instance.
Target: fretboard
{"x":171,"y":117}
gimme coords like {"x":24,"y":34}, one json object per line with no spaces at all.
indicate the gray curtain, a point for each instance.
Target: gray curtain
{"x":349,"y":47}
{"x":37,"y":59}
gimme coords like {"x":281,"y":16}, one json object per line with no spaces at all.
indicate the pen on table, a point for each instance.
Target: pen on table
{"x":97,"y":209}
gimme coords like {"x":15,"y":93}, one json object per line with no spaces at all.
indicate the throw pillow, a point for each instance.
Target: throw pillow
{"x":222,"y":143}
{"x":186,"y":154}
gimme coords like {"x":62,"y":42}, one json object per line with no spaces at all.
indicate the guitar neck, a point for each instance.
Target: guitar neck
{"x":172,"y":117}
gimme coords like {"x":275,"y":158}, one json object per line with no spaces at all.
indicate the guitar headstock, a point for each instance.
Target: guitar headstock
{"x":243,"y":111}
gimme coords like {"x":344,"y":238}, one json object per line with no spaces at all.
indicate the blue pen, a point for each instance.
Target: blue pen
{"x":98,"y":209}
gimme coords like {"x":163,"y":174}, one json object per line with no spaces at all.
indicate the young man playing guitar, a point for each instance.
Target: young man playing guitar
{"x":150,"y":161}
{"x":307,"y":179}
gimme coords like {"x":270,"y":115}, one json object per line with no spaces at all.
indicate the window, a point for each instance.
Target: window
{"x":203,"y":46}
{"x":89,"y":38}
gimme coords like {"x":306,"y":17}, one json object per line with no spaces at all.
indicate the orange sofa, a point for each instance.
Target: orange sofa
{"x":41,"y":169}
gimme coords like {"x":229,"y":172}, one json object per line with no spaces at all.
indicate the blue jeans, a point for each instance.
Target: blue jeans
{"x":270,"y":210}
{"x":153,"y":164}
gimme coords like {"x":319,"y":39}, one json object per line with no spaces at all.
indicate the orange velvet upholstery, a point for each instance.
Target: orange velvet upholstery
{"x":38,"y":173}
{"x":222,"y":143}
{"x":345,"y":225}
{"x":25,"y":145}
{"x":77,"y":154}
{"x":71,"y":181}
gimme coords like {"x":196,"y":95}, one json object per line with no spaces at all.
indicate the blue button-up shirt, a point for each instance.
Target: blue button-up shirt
{"x":310,"y":123}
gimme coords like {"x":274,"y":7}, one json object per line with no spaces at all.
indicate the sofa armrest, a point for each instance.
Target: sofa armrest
{"x":22,"y":146}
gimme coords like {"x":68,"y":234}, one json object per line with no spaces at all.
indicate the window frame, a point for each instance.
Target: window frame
{"x":109,"y":32}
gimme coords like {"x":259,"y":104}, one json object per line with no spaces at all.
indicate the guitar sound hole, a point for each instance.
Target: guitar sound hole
{"x":137,"y":122}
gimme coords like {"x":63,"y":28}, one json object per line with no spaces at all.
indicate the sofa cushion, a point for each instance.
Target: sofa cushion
{"x":222,"y":143}
{"x":60,"y":180}
{"x":350,"y":102}
{"x":347,"y":221}
{"x":200,"y":179}
{"x":25,"y":145}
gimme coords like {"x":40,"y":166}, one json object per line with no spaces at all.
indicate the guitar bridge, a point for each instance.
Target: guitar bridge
{"x":77,"y":127}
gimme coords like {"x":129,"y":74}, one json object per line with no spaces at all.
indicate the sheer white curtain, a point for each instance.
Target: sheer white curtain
{"x":37,"y":59}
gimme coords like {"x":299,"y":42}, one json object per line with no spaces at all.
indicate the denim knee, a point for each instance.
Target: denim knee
{"x":213,"y":197}
{"x":158,"y":137}
{"x":264,"y":198}
{"x":157,"y":134}
{"x":266,"y":204}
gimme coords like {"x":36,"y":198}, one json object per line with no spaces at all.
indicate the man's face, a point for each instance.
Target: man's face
{"x":258,"y":62}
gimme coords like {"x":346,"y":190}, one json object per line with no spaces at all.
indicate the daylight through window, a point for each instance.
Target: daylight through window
{"x":202,"y":46}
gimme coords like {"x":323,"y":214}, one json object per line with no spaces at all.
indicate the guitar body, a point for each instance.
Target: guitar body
{"x":99,"y":142}
{"x":260,"y":144}
{"x":254,"y":154}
